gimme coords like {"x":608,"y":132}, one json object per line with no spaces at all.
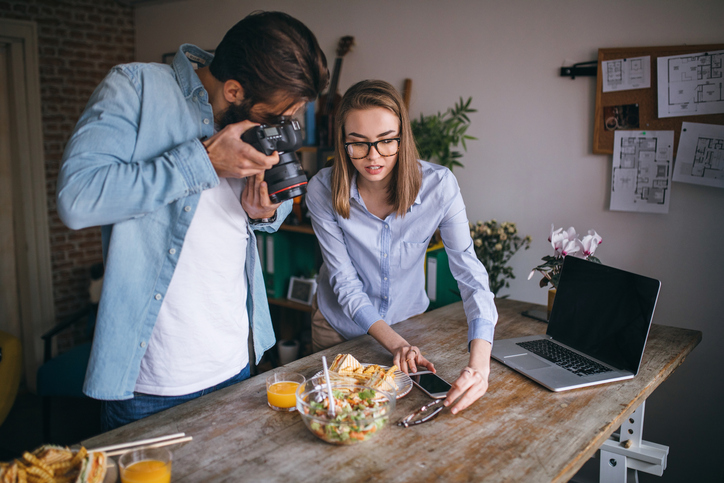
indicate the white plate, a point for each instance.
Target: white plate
{"x":402,"y":380}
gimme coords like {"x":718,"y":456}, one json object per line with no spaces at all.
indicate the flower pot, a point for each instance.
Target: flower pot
{"x":551,"y":298}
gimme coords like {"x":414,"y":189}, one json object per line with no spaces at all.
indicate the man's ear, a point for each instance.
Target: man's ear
{"x":233,"y":92}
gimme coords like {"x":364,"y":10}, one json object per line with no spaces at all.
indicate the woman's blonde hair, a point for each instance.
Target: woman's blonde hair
{"x":406,"y":175}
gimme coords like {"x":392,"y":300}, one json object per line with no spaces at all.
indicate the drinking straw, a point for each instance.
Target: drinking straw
{"x":330,"y":409}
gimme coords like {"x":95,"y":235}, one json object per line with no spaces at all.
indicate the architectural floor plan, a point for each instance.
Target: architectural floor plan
{"x":700,"y":156}
{"x":641,"y":174}
{"x":625,"y":74}
{"x":691,"y":84}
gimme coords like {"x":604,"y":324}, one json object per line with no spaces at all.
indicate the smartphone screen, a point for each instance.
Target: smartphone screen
{"x":431,"y":383}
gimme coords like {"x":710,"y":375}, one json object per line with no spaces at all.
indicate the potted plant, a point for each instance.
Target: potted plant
{"x":436,"y":135}
{"x":564,"y":243}
{"x":495,"y":244}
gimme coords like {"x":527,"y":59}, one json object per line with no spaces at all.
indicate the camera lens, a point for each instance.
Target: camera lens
{"x":286,"y":180}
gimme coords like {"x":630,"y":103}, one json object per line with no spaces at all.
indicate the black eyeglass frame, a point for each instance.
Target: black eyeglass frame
{"x":370,"y":145}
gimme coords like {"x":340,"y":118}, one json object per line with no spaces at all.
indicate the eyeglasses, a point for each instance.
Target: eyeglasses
{"x":386,"y":147}
{"x":410,"y":420}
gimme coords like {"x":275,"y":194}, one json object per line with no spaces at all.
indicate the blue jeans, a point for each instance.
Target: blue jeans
{"x":118,"y":413}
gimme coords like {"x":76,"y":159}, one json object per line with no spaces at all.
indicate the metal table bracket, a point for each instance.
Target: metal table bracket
{"x":624,"y":455}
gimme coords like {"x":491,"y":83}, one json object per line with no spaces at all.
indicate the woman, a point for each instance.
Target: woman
{"x":374,"y":212}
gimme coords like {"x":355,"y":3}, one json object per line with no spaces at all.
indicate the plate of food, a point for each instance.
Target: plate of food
{"x":345,"y":369}
{"x":51,"y":463}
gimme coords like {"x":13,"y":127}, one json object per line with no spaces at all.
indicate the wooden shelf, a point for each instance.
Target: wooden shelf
{"x":290,"y":304}
{"x":298,"y":228}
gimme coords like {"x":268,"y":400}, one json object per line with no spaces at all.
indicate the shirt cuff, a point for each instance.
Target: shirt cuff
{"x":260,"y":221}
{"x":366,"y":316}
{"x":481,"y":329}
{"x":195,"y":165}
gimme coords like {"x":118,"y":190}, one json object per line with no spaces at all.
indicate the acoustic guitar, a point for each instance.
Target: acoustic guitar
{"x":328,"y":102}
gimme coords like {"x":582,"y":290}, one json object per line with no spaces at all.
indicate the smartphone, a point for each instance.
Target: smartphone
{"x":431,"y":384}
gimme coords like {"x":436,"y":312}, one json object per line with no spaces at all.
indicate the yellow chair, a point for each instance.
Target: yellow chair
{"x":11,"y":366}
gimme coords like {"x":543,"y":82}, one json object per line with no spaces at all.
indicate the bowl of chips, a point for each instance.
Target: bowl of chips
{"x":360,"y":412}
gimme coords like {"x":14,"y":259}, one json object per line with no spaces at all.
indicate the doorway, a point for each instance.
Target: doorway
{"x":26,"y":288}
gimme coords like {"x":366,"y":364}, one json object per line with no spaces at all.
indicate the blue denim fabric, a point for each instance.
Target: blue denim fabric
{"x":135,"y":165}
{"x":118,"y":413}
{"x":375,"y":269}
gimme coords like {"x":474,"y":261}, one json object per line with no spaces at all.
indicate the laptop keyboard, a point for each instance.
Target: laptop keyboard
{"x":563,"y":357}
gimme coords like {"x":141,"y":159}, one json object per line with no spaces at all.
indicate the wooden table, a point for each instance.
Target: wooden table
{"x":519,"y":431}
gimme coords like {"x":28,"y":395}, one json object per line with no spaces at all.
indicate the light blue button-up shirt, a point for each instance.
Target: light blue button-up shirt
{"x":135,"y":165}
{"x":374,"y":269}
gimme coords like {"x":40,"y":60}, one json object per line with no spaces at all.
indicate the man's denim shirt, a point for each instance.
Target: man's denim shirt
{"x":135,"y":165}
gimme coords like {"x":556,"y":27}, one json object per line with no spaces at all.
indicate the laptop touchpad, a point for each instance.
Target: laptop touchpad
{"x":528,"y":362}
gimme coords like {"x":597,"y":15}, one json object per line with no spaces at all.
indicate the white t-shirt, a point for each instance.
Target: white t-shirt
{"x":200,"y":336}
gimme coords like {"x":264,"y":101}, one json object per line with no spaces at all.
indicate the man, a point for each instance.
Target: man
{"x":156,"y":160}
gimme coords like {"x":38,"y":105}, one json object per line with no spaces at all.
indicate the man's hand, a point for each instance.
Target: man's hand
{"x":255,"y":198}
{"x":233,"y":158}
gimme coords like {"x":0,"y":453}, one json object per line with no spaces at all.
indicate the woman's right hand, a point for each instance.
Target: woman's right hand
{"x":409,"y":359}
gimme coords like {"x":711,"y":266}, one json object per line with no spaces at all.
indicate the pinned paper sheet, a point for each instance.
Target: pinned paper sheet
{"x":691,"y":84}
{"x":700,"y":157}
{"x":641,"y":175}
{"x":626,"y":74}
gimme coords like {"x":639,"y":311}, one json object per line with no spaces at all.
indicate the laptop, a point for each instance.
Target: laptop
{"x":596,"y":333}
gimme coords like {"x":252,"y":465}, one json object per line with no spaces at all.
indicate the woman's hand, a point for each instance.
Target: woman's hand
{"x":405,"y":356}
{"x":408,"y":358}
{"x":473,"y":380}
{"x":255,"y":198}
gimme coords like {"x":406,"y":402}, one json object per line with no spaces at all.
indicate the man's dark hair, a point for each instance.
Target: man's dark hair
{"x":274,"y":57}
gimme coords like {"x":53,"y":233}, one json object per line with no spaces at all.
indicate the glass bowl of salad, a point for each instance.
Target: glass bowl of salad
{"x":360,"y":411}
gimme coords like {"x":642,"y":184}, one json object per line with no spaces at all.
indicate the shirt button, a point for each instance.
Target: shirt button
{"x":158,"y":296}
{"x":172,"y":251}
{"x":384,"y":297}
{"x":385,"y":255}
{"x":206,"y":121}
{"x":387,"y":226}
{"x":143,"y":343}
{"x":187,"y":208}
{"x":385,"y":278}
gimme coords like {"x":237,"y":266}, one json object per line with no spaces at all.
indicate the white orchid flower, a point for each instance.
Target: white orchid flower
{"x":556,"y":238}
{"x":590,"y":242}
{"x":571,"y":247}
{"x":560,"y":238}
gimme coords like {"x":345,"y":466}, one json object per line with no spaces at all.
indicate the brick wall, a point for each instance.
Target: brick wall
{"x":78,"y":42}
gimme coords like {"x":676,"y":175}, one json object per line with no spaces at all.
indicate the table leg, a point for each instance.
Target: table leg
{"x":625,"y":454}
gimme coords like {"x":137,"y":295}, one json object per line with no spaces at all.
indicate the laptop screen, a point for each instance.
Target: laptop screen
{"x":604,"y":312}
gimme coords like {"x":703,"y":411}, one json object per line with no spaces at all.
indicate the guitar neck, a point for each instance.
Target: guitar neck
{"x":333,"y":85}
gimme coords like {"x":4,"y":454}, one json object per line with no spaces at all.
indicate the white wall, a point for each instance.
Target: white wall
{"x":533,"y":162}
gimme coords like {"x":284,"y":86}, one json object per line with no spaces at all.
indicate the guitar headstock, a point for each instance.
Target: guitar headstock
{"x":345,"y":45}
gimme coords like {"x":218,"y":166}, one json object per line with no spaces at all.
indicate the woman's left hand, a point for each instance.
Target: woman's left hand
{"x":255,"y":198}
{"x":473,"y":380}
{"x":471,"y":385}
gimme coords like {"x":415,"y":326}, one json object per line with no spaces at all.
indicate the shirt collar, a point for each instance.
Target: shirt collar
{"x":188,"y":58}
{"x":354,"y":193}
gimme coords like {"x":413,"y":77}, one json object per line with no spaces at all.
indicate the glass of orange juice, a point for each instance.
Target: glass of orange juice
{"x":281,"y":390}
{"x":151,"y":465}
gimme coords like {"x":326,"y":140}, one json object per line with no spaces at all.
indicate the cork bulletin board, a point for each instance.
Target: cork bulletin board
{"x":643,"y":103}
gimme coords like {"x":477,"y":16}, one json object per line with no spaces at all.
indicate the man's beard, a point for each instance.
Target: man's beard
{"x":235,"y":113}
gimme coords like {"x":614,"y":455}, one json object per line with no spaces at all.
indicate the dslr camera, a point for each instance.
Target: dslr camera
{"x":286,"y":179}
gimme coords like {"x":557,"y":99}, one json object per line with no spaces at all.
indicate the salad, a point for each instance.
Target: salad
{"x":359,"y":413}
